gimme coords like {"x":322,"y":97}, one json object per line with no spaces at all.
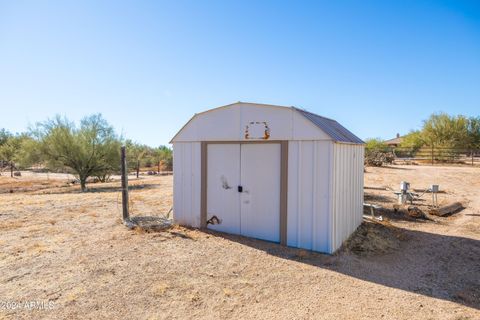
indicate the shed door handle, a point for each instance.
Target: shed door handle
{"x":240,"y":189}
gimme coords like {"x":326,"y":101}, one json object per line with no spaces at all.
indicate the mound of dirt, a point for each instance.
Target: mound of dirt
{"x":374,"y":237}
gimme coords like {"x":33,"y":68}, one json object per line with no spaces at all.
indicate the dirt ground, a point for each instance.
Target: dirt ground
{"x":68,"y":256}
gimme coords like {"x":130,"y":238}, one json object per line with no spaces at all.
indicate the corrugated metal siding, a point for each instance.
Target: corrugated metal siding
{"x":186,"y":183}
{"x":309,"y":195}
{"x":325,"y":191}
{"x":347,"y":191}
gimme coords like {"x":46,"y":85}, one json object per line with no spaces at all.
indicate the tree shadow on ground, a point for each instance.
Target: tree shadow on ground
{"x":96,"y":189}
{"x":119,"y":188}
{"x":438,"y":266}
{"x":395,"y":168}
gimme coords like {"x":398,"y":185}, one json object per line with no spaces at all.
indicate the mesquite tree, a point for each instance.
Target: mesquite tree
{"x":91,"y":149}
{"x":11,"y":149}
{"x":9,"y":152}
{"x":135,"y":154}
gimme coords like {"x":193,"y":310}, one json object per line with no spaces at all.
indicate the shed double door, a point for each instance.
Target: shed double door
{"x":243,"y":189}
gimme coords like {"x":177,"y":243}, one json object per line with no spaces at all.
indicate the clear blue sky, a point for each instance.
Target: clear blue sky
{"x":378,"y":67}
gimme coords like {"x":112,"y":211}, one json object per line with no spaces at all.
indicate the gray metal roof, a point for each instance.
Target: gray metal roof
{"x":331,"y":127}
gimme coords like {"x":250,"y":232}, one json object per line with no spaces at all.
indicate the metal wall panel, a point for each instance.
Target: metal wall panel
{"x":308,"y":217}
{"x":347,"y":191}
{"x":186,"y":183}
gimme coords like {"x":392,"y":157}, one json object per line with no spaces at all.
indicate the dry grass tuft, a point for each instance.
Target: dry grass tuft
{"x":160,"y":289}
{"x":227,"y":292}
{"x":302,"y":254}
{"x":82,"y":209}
{"x":92,"y":214}
{"x":38,"y":247}
{"x":195,"y":297}
{"x":27,"y":184}
{"x":10,"y":225}
{"x":373,"y":237}
{"x":73,"y":295}
{"x":139,"y":230}
{"x":35,"y":228}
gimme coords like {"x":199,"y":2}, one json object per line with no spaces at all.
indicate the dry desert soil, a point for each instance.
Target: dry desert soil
{"x":66,"y":255}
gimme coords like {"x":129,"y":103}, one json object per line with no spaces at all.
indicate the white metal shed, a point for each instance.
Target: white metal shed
{"x":275,"y":173}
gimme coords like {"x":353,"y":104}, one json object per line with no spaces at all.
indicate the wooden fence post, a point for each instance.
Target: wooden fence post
{"x":433,"y":161}
{"x":126,"y":214}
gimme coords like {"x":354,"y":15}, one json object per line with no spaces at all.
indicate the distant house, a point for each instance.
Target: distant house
{"x":395,"y":142}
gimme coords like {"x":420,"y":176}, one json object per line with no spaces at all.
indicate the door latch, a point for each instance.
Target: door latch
{"x":240,"y":189}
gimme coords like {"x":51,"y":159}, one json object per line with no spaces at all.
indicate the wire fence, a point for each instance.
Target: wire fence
{"x":436,"y":155}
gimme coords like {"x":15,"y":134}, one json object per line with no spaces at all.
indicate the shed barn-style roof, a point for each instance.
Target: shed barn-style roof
{"x":334,"y":130}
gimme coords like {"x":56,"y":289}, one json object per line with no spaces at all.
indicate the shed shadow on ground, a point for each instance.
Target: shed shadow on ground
{"x":393,"y":215}
{"x":437,"y":266}
{"x":386,"y":207}
{"x":369,"y":197}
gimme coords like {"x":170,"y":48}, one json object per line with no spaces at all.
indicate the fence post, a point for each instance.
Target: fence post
{"x":472,"y":155}
{"x":432,"y":156}
{"x":126,"y":214}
